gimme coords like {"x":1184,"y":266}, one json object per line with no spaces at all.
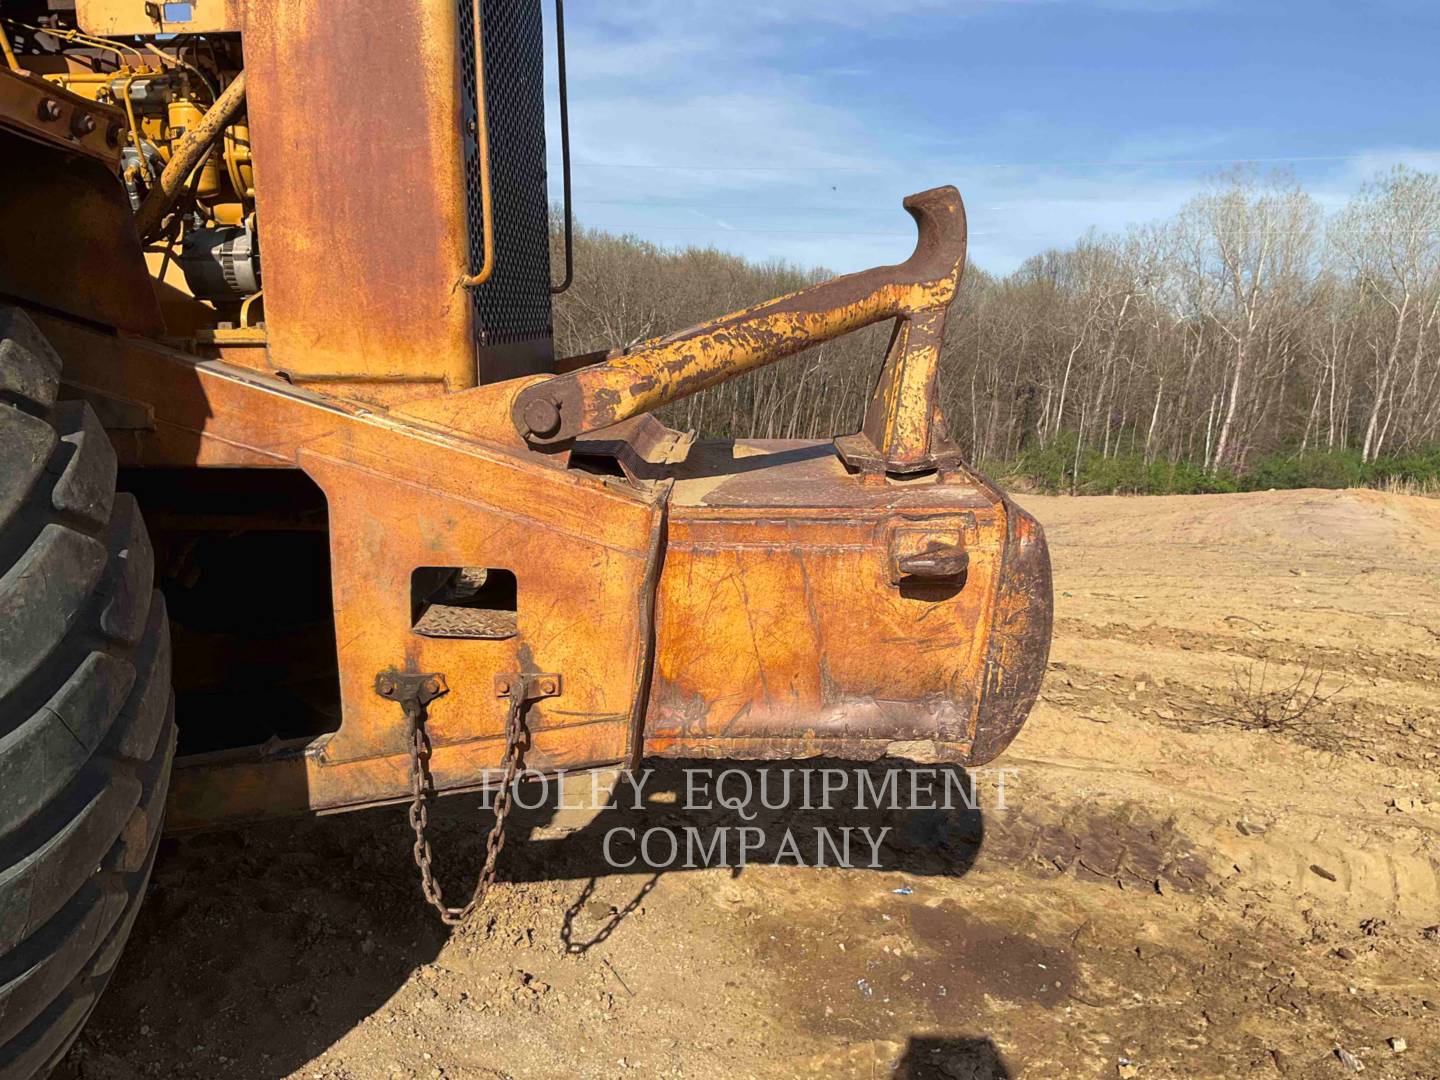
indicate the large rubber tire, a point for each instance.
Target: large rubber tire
{"x":87,"y":728}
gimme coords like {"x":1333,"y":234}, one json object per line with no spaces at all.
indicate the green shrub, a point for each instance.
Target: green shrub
{"x":1420,"y":468}
{"x":1053,"y":470}
{"x":1327,"y":469}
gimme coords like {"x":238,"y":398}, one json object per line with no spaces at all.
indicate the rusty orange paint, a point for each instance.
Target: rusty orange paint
{"x":402,"y":495}
{"x":779,"y":626}
{"x":784,"y":632}
{"x":360,"y":187}
{"x":69,"y":238}
{"x":53,"y":114}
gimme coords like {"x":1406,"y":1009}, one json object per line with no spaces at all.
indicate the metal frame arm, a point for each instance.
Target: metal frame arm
{"x":555,"y":411}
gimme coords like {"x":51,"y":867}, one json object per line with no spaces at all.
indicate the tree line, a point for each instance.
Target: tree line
{"x":1252,"y":338}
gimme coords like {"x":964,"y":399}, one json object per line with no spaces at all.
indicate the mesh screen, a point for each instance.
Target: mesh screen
{"x":512,"y":308}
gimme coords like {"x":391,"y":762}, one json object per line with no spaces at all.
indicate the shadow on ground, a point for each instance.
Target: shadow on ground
{"x":929,"y":1057}
{"x":295,"y":932}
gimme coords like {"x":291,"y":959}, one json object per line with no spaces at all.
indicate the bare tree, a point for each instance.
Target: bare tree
{"x":1389,"y":237}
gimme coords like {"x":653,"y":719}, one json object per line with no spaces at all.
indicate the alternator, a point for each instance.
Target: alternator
{"x":221,"y":263}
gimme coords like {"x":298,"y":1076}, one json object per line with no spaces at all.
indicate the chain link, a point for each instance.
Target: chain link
{"x":420,"y":812}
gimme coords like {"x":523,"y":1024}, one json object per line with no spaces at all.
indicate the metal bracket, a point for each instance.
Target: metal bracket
{"x":411,"y":690}
{"x":527,"y":685}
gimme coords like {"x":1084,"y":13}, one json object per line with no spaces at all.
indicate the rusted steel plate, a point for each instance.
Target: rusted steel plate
{"x":784,"y":623}
{"x":360,"y":186}
{"x":782,"y":632}
{"x":67,"y":236}
{"x":248,"y":786}
{"x":584,"y":551}
{"x":40,"y":110}
{"x":1019,"y":637}
{"x":394,"y":507}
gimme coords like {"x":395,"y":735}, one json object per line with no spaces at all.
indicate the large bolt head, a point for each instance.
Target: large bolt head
{"x":49,"y":109}
{"x":542,"y":417}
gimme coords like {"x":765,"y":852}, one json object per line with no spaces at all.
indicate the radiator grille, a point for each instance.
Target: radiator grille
{"x":512,"y":309}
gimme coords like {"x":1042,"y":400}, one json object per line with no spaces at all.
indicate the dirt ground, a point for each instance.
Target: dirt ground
{"x":1219,"y":856}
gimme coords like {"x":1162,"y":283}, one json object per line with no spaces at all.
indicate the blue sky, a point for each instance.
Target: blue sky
{"x":792,"y":129}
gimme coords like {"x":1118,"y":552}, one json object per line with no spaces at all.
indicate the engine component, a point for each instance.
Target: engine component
{"x":187,"y":152}
{"x":148,"y":96}
{"x":223,"y":263}
{"x":184,"y":114}
{"x":137,"y":175}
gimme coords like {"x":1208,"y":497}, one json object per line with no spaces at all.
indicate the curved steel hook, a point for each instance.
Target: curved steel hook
{"x":555,"y":411}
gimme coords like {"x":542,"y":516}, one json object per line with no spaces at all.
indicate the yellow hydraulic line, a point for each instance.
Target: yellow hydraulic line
{"x":76,"y":37}
{"x":104,"y":43}
{"x":9,"y":51}
{"x":135,"y":131}
{"x":188,"y":155}
{"x":482,"y":138}
{"x":67,"y":79}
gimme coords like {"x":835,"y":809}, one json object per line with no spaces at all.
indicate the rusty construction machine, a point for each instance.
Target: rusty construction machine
{"x":291,"y":299}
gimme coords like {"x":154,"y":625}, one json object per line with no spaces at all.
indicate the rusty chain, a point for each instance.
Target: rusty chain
{"x":420,"y":812}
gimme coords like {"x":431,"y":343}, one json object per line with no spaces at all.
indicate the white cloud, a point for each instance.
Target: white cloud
{"x":698,"y":123}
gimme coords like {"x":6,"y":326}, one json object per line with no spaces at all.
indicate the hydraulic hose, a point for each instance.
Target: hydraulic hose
{"x":189,"y":152}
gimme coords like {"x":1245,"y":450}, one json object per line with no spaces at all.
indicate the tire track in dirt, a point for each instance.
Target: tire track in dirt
{"x":1368,"y":664}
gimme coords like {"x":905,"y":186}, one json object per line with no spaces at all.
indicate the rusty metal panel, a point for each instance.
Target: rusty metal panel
{"x":800,"y":608}
{"x":1019,"y":637}
{"x":584,"y":551}
{"x":68,"y":239}
{"x":579,"y":570}
{"x":41,"y":110}
{"x":250,"y":786}
{"x":356,"y":123}
{"x":783,"y":631}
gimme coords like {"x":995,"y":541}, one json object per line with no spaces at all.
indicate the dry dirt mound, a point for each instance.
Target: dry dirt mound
{"x":1357,"y":520}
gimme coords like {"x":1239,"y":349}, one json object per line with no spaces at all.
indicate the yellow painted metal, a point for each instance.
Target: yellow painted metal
{"x":122,"y":18}
{"x":238,"y":162}
{"x":672,"y":368}
{"x":900,"y":422}
{"x":194,"y":149}
{"x":11,"y":62}
{"x":185,"y":114}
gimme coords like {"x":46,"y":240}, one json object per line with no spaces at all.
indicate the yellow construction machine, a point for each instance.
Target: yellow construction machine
{"x":276,"y":275}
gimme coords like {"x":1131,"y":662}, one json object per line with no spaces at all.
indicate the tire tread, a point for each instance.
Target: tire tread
{"x":88,"y":734}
